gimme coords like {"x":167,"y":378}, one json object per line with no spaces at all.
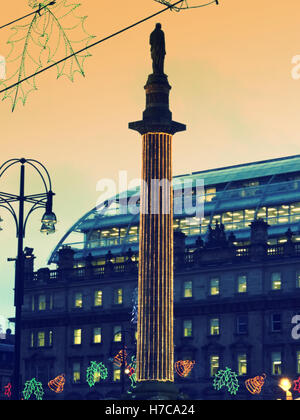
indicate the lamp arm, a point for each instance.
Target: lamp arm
{"x":36,"y":206}
{"x":9,"y":163}
{"x":35,"y":162}
{"x":10,"y":209}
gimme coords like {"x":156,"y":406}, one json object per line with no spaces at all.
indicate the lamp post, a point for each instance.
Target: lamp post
{"x":43,"y":200}
{"x":125,"y":371}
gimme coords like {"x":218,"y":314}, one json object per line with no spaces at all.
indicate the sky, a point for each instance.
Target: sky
{"x":230,"y":67}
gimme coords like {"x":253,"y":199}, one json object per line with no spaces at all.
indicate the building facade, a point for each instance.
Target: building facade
{"x":236,"y":281}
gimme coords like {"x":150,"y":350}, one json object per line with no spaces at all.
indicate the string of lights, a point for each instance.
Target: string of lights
{"x":29,"y":14}
{"x":185,"y":5}
{"x":168,"y":7}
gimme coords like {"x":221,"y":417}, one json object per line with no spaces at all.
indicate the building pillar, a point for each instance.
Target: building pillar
{"x":155,"y":344}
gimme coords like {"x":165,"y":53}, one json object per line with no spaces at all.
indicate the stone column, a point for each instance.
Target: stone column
{"x":155,"y":346}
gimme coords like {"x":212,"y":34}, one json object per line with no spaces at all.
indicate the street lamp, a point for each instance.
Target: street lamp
{"x":285,"y":384}
{"x":43,"y":200}
{"x":124,"y":368}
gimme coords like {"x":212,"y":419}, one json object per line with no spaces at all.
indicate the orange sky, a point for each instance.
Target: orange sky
{"x":230,"y":69}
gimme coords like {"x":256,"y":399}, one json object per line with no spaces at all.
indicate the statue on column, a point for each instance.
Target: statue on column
{"x":158,"y":49}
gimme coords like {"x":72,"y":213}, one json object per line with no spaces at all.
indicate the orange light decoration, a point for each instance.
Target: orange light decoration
{"x":184,"y":367}
{"x":121,"y":359}
{"x":57,"y":384}
{"x":254,"y":385}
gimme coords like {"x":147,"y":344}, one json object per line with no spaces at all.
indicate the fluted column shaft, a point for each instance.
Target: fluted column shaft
{"x":155,"y":348}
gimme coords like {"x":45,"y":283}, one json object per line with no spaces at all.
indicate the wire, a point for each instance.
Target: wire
{"x":30,"y":14}
{"x":93,"y":45}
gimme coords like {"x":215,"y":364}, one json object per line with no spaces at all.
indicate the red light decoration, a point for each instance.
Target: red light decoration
{"x":7,"y":390}
{"x":254,"y":385}
{"x":297,"y":385}
{"x":184,"y":367}
{"x":57,"y":384}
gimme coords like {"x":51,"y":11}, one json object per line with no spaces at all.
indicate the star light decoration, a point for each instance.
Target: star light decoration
{"x":297,"y":385}
{"x":49,"y":37}
{"x":7,"y":390}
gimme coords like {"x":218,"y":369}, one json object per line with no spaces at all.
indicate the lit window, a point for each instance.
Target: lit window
{"x":31,"y":339}
{"x":188,"y":289}
{"x":51,"y":302}
{"x":242,"y":364}
{"x":276,"y":363}
{"x":78,"y":300}
{"x":76,"y":373}
{"x":97,"y":336}
{"x":41,"y":339}
{"x":298,"y":280}
{"x":276,"y":281}
{"x":214,"y":365}
{"x":210,"y":194}
{"x":50,"y":336}
{"x":242,"y":324}
{"x":214,"y":287}
{"x":215,"y":326}
{"x":298,"y":362}
{"x":98,"y":298}
{"x":242,"y":284}
{"x":33,"y":303}
{"x":117,"y":375}
{"x":276,"y":323}
{"x":187,"y":328}
{"x":117,"y":334}
{"x":77,"y":337}
{"x":42,"y":302}
{"x":118,"y":296}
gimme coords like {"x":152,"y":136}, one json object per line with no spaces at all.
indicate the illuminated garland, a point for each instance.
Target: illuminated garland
{"x":44,"y":40}
{"x":184,"y":367}
{"x":226,"y":378}
{"x":57,"y":384}
{"x":33,"y":387}
{"x":254,"y":385}
{"x":93,"y":369}
{"x":186,"y":4}
{"x":7,"y":390}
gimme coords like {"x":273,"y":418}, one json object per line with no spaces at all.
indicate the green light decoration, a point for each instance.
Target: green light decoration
{"x":132,"y":373}
{"x":226,"y":378}
{"x":51,"y":35}
{"x":33,"y":387}
{"x":186,"y":4}
{"x":96,"y":369}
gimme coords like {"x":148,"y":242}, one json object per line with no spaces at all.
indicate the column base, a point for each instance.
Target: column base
{"x":156,"y":391}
